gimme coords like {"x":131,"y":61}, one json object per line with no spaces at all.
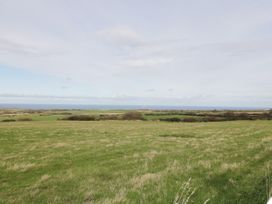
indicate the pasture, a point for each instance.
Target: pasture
{"x":118,"y":161}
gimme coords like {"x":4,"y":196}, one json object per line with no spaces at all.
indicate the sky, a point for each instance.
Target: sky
{"x":144,"y":52}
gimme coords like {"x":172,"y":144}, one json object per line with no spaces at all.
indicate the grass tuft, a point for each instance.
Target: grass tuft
{"x":185,"y":193}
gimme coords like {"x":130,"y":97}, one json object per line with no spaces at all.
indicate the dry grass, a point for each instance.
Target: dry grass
{"x":185,"y":193}
{"x":130,"y":162}
{"x":140,"y":181}
{"x":19,"y":166}
{"x":269,"y":182}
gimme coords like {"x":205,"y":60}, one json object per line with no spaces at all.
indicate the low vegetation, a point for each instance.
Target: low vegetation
{"x":24,"y":119}
{"x":9,"y":120}
{"x":217,"y":116}
{"x":120,"y":160}
{"x":125,"y":116}
{"x":80,"y":118}
{"x":162,"y":115}
{"x":133,"y":116}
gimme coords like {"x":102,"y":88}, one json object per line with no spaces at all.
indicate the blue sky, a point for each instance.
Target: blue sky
{"x":215,"y":53}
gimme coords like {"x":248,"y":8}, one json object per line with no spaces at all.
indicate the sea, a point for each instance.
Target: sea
{"x":121,"y":107}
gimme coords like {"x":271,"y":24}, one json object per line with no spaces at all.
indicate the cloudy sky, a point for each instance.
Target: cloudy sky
{"x":156,"y":52}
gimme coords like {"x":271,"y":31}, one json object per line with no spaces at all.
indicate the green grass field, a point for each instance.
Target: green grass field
{"x":135,"y":162}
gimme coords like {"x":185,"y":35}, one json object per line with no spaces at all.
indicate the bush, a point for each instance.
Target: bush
{"x":171,"y":119}
{"x":24,"y":119}
{"x":132,"y":116}
{"x":80,"y":118}
{"x":244,"y":116}
{"x":212,"y":119}
{"x":189,"y":119}
{"x":8,"y":120}
{"x":109,"y":117}
{"x":229,"y":115}
{"x":267,"y":115}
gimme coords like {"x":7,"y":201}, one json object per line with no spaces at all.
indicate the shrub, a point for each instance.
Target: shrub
{"x":189,"y":119}
{"x":132,"y":116}
{"x":213,"y":119}
{"x":244,"y":116}
{"x":109,"y":117}
{"x":8,"y":120}
{"x":229,"y":115}
{"x":64,"y":113}
{"x":24,"y":119}
{"x":80,"y":118}
{"x":171,"y":119}
{"x":267,"y":115}
{"x":263,"y":116}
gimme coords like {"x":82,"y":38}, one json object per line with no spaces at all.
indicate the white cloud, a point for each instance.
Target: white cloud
{"x":194,"y":49}
{"x":120,"y":36}
{"x":146,"y":62}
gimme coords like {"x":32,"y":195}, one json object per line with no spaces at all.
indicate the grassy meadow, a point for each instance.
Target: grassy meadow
{"x":46,"y":160}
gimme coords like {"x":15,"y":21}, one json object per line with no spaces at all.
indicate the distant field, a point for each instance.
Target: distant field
{"x":117,"y":161}
{"x":163,"y":115}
